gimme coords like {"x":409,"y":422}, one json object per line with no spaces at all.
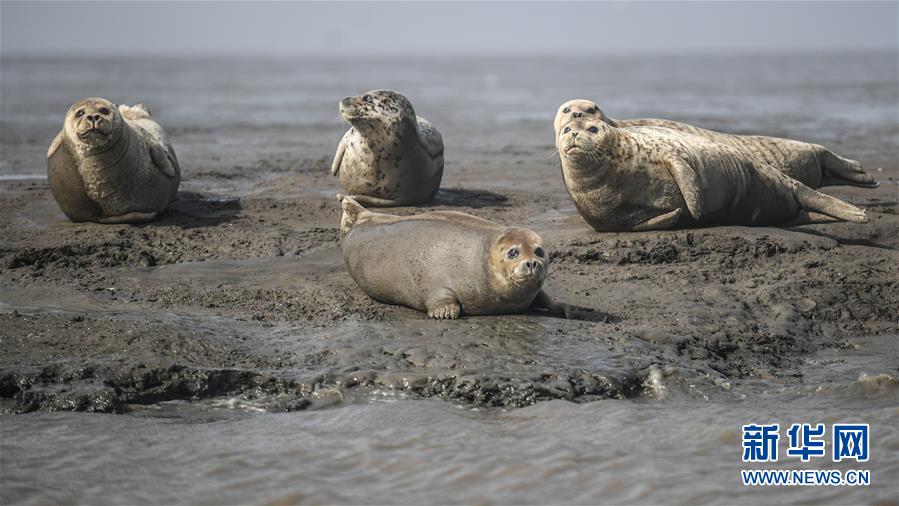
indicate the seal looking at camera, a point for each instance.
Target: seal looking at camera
{"x":111,"y":164}
{"x":445,"y":263}
{"x":811,"y":164}
{"x":652,"y":178}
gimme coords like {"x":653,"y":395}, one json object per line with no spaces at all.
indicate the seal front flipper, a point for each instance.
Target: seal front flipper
{"x":443,"y":306}
{"x":430,"y":138}
{"x":660,"y":222}
{"x":341,"y":149}
{"x":688,"y":182}
{"x":67,"y":185}
{"x":543,"y":302}
{"x":161,"y":161}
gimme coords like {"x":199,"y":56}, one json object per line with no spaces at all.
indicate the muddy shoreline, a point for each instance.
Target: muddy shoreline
{"x":239,"y":289}
{"x":247,"y":297}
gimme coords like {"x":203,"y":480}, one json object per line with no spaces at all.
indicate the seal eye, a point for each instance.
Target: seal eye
{"x":593,"y":129}
{"x":366,"y":98}
{"x":80,"y":113}
{"x":567,"y":129}
{"x":539,"y":252}
{"x":104,"y":111}
{"x":513,"y":253}
{"x":566,"y":110}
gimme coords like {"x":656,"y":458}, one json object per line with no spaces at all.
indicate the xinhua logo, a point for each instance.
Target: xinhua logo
{"x":806,"y":442}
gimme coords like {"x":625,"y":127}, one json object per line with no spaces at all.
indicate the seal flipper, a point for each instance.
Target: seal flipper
{"x":67,"y":185}
{"x":661,"y":222}
{"x":839,"y":170}
{"x":351,"y":211}
{"x":813,"y":201}
{"x":341,"y":149}
{"x":816,"y":201}
{"x":443,"y":306}
{"x":544,"y":302}
{"x":430,"y":138}
{"x":161,"y":161}
{"x":688,"y":182}
{"x":56,"y":144}
{"x":133,"y":112}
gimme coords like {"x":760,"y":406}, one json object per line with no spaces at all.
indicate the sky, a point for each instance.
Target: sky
{"x":36,"y":28}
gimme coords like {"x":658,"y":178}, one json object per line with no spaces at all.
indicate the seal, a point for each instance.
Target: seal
{"x":653,"y":178}
{"x":445,"y":263}
{"x":111,"y":164}
{"x":390,"y":156}
{"x":811,"y":164}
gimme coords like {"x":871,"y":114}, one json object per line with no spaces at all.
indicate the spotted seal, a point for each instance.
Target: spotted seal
{"x":645,"y":178}
{"x":390,"y":156}
{"x":811,"y":164}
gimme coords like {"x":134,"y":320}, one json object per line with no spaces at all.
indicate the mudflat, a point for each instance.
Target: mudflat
{"x":237,"y":297}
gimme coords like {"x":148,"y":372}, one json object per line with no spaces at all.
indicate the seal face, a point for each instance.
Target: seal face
{"x":811,"y":164}
{"x":111,"y":164}
{"x":390,"y":156}
{"x":443,"y":263}
{"x":643,"y":178}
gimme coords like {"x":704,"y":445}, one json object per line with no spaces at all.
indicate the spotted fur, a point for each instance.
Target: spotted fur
{"x":651,"y":177}
{"x":389,"y":156}
{"x":811,"y":164}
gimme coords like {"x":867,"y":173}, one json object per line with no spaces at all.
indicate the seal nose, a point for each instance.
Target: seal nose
{"x":578,"y":114}
{"x":533,"y":265}
{"x":573,"y":135}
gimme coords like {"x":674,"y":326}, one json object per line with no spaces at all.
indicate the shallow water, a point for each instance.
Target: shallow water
{"x":385,"y":448}
{"x":240,"y":126}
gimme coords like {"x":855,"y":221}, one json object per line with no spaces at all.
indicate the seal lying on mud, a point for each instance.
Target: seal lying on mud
{"x":651,"y":178}
{"x":445,"y":263}
{"x":111,"y":164}
{"x":810,"y":164}
{"x":390,"y":156}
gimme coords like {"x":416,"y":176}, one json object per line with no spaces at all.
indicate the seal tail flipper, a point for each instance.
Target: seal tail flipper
{"x":839,"y":170}
{"x":351,"y":211}
{"x":816,"y":202}
{"x":806,"y":218}
{"x":138,"y":111}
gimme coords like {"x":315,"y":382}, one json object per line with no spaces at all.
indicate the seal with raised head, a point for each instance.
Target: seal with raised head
{"x":810,"y":164}
{"x":652,"y":178}
{"x":390,"y":156}
{"x":111,"y":164}
{"x":445,"y":263}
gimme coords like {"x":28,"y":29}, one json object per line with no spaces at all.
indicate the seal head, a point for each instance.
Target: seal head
{"x":518,"y":260}
{"x":579,"y":108}
{"x":377,"y":106}
{"x":93,"y":124}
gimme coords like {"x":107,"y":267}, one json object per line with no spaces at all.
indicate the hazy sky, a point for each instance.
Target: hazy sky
{"x":278,"y":28}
